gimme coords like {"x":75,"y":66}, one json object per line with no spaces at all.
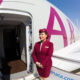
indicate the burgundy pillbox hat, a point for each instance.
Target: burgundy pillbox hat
{"x":42,"y":30}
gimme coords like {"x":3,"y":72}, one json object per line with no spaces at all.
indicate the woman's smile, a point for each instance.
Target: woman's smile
{"x":42,"y":36}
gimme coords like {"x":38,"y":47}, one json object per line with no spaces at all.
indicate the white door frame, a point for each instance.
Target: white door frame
{"x":22,"y":13}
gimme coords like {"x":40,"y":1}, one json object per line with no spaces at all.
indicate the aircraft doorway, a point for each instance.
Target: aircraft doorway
{"x":14,"y":39}
{"x":15,"y":44}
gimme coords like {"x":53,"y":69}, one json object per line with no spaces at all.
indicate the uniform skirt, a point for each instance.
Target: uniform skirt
{"x":44,"y":72}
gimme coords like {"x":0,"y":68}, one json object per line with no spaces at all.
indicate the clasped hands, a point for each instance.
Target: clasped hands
{"x":39,"y":64}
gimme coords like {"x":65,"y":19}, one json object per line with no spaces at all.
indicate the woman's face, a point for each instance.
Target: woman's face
{"x":42,"y":36}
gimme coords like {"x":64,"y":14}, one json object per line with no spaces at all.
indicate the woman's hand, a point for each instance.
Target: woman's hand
{"x":39,"y":64}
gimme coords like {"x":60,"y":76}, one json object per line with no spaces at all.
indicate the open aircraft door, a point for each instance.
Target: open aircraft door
{"x":16,"y":42}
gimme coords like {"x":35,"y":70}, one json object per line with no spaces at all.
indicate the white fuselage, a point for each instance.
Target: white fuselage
{"x":39,"y":14}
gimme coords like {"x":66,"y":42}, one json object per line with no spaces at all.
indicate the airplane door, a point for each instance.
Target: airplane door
{"x":29,"y":47}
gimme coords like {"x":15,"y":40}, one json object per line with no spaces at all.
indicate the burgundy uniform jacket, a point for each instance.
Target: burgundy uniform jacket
{"x":44,"y":55}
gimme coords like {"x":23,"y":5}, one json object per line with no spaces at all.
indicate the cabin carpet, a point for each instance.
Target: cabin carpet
{"x":14,"y":67}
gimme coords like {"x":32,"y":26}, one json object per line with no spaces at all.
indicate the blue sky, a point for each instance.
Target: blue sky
{"x":69,"y":7}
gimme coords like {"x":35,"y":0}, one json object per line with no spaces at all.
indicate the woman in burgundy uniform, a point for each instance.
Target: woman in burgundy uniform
{"x":42,"y":54}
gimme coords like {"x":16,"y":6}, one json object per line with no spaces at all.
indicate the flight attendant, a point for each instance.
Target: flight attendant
{"x":42,"y":54}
